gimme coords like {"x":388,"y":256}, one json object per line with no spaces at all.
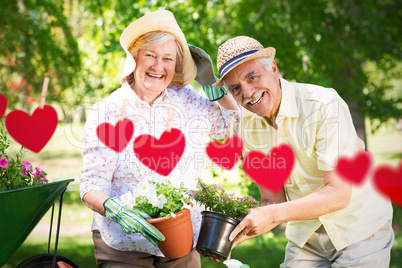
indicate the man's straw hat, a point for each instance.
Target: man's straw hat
{"x":160,"y":20}
{"x":238,"y":50}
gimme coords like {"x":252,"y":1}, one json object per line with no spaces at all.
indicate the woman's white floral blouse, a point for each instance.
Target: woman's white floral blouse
{"x":116,"y":173}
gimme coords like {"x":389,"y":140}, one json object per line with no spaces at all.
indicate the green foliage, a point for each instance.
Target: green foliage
{"x":214,"y":198}
{"x":36,"y":41}
{"x":352,"y":46}
{"x":14,"y":171}
{"x":328,"y":43}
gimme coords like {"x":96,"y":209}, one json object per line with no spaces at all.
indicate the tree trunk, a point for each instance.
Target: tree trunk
{"x":358,"y":121}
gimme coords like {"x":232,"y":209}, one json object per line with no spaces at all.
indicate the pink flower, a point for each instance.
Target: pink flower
{"x":27,"y":166}
{"x":3,"y":162}
{"x":37,"y":173}
{"x":218,"y":187}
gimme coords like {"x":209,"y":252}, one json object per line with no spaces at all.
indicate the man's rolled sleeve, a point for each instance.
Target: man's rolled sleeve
{"x":336,"y":135}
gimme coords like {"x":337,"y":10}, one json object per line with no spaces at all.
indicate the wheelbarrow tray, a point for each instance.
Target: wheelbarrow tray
{"x":21,"y":210}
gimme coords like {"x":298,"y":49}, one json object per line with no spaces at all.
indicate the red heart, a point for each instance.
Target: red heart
{"x":355,"y":169}
{"x":116,"y":137}
{"x":270,"y":171}
{"x":3,"y":105}
{"x":32,"y":132}
{"x":160,"y":155}
{"x":225,"y":154}
{"x":389,"y":182}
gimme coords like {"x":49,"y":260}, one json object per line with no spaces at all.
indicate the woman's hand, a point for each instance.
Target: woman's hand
{"x":132,"y":221}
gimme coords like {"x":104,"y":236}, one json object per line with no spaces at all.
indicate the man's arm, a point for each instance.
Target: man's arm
{"x":334,"y":195}
{"x":268,"y":197}
{"x":228,"y":102}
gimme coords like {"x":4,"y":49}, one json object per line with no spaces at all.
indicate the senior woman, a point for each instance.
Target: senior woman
{"x":157,"y":73}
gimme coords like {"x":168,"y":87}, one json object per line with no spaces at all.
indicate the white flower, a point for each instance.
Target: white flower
{"x":146,"y":189}
{"x":158,"y":201}
{"x":128,"y":200}
{"x":233,"y":263}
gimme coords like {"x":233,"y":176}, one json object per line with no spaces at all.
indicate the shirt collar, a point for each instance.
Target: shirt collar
{"x":129,"y":92}
{"x":288,"y":106}
{"x":171,"y":92}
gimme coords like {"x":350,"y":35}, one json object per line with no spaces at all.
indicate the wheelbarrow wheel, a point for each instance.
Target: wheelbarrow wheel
{"x":45,"y":261}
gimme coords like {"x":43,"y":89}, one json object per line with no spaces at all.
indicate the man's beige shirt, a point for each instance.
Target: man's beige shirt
{"x":318,"y":126}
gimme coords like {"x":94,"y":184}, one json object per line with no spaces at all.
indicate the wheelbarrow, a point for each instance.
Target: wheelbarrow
{"x":21,"y":211}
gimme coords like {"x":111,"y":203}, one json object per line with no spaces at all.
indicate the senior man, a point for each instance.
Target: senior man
{"x":331,"y":223}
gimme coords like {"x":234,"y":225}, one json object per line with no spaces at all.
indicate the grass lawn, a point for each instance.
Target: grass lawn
{"x":79,"y":249}
{"x":61,"y":160}
{"x":265,"y":252}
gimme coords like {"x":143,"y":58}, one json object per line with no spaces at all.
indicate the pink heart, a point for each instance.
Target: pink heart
{"x":355,"y":169}
{"x":116,"y":137}
{"x":32,"y":132}
{"x":389,"y":182}
{"x":3,"y":105}
{"x":163,"y":154}
{"x":225,"y":154}
{"x":270,"y":171}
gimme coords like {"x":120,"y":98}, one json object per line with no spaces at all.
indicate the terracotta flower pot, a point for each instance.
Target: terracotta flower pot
{"x":178,"y":234}
{"x":214,"y":234}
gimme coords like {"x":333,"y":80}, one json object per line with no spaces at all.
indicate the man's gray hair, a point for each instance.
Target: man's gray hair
{"x":267,"y":62}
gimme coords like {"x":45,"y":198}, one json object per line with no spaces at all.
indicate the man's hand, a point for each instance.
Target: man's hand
{"x":132,"y":220}
{"x":258,"y":222}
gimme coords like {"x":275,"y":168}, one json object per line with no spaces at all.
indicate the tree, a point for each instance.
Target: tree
{"x":332,"y":43}
{"x":353,"y":46}
{"x":36,"y":41}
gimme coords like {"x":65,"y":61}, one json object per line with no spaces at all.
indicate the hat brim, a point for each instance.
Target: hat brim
{"x":268,"y":52}
{"x":164,"y":21}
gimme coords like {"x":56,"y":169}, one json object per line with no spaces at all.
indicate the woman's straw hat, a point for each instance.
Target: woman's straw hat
{"x":238,"y":50}
{"x":161,"y":20}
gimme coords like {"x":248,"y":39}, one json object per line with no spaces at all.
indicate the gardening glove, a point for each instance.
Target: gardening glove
{"x":132,"y":220}
{"x":205,"y":74}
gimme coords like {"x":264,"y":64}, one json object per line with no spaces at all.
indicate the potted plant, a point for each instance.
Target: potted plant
{"x":14,"y":171}
{"x":168,"y":207}
{"x":222,"y":216}
{"x":25,"y":196}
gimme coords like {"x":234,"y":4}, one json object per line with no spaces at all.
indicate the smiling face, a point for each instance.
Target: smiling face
{"x":154,"y":70}
{"x":256,"y":88}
